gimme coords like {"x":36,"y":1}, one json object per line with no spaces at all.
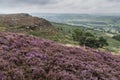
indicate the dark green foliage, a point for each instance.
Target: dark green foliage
{"x":88,"y":39}
{"x":103,"y":42}
{"x":69,"y":31}
{"x":92,"y":42}
{"x":116,"y":37}
{"x":77,"y":34}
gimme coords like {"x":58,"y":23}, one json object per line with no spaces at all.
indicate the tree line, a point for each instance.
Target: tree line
{"x":88,"y":39}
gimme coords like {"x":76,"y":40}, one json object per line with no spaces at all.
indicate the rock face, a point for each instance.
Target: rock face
{"x":23,"y":19}
{"x":24,"y":57}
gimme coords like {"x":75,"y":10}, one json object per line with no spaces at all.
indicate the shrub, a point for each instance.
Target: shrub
{"x":88,"y":39}
{"x":116,"y":37}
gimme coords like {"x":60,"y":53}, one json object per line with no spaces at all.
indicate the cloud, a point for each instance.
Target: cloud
{"x":114,"y":0}
{"x":17,"y":3}
{"x":60,"y":6}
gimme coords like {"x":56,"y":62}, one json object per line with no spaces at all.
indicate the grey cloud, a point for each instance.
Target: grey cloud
{"x":36,"y":1}
{"x":114,"y":0}
{"x":17,"y":3}
{"x":76,"y":6}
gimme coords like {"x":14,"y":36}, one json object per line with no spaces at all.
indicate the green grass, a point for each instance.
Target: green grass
{"x":64,"y":35}
{"x":114,"y":45}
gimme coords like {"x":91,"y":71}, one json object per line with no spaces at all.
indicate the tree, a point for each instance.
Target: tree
{"x":85,"y":37}
{"x":116,"y":37}
{"x":102,"y":42}
{"x":92,"y":42}
{"x":88,"y":39}
{"x":77,"y":33}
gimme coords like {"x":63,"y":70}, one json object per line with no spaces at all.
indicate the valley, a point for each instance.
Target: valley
{"x":100,"y":25}
{"x":33,"y":48}
{"x":59,"y":32}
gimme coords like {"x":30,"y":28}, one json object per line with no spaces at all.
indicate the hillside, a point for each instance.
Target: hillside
{"x":66,"y":36}
{"x":24,"y":57}
{"x":28,"y":24}
{"x":104,"y":23}
{"x":23,"y":20}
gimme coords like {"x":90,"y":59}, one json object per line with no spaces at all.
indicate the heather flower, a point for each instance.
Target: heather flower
{"x":37,"y":72}
{"x":29,"y":58}
{"x":2,"y":76}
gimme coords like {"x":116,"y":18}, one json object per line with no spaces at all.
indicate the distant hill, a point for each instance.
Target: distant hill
{"x":23,"y":19}
{"x":104,"y":23}
{"x":24,"y":57}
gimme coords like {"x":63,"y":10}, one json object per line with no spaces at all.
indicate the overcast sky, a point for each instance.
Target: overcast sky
{"x":59,"y":6}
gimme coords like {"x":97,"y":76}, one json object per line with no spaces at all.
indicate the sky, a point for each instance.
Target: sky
{"x":60,"y":6}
